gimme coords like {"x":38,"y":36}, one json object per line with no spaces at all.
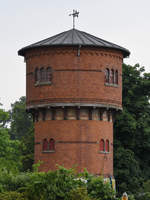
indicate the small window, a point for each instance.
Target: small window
{"x":107,"y":146}
{"x":102,"y":145}
{"x":116,"y":77}
{"x":107,"y":75}
{"x":45,"y":145}
{"x":112,"y":76}
{"x":49,"y":74}
{"x":51,"y":144}
{"x":37,"y":78}
{"x":42,"y":75}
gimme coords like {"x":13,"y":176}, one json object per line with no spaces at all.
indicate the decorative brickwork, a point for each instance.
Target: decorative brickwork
{"x":73,"y":113}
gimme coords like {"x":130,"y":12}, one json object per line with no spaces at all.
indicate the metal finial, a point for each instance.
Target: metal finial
{"x":74,"y":14}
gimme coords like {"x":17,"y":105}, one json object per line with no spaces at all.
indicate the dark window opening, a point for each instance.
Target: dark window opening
{"x":112,"y":76}
{"x":107,"y":146}
{"x":108,"y":116}
{"x":90,"y":114}
{"x":45,"y":145}
{"x":43,"y":76}
{"x":51,"y":144}
{"x":102,"y":145}
{"x":37,"y":78}
{"x":49,"y":74}
{"x":101,"y":115}
{"x":107,"y":75}
{"x":116,"y":77}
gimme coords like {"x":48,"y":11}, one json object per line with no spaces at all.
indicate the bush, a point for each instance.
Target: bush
{"x":13,"y":182}
{"x":99,"y":190}
{"x":144,"y":196}
{"x":79,"y":193}
{"x":12,"y":196}
{"x":61,"y":184}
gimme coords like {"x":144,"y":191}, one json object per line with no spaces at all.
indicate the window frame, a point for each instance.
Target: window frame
{"x":45,"y":143}
{"x":43,"y":76}
{"x":102,"y":145}
{"x":111,"y":77}
{"x":107,"y":147}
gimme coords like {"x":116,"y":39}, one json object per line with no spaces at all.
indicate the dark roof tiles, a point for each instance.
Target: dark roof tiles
{"x":74,"y":37}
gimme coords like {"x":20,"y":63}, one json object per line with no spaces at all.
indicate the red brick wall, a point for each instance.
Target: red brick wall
{"x":80,"y":79}
{"x":84,"y":155}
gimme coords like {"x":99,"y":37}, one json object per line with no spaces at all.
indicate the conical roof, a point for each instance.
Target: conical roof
{"x":74,"y":37}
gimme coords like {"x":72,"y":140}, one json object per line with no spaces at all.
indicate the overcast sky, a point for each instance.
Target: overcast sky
{"x":124,"y":22}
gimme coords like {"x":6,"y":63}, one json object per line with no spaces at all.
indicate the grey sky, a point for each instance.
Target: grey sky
{"x":124,"y":22}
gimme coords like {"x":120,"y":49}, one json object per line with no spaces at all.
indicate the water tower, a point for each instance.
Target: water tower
{"x":74,"y":90}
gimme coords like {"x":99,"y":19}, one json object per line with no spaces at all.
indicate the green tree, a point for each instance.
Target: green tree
{"x":4,"y":117}
{"x":21,"y":121}
{"x":21,"y":128}
{"x":9,"y":150}
{"x":27,"y":150}
{"x":132,"y":131}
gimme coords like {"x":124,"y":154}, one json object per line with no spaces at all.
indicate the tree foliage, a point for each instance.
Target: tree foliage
{"x":16,"y":138}
{"x":132,"y":131}
{"x":61,"y":184}
{"x":21,"y":128}
{"x":9,"y":150}
{"x":21,"y":121}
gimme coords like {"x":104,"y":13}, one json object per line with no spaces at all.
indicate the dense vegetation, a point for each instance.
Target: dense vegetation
{"x":132,"y":132}
{"x":16,"y":138}
{"x":131,"y":152}
{"x":60,"y":184}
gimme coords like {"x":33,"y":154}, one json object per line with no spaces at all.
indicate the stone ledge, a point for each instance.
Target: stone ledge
{"x":50,"y":151}
{"x":104,"y":152}
{"x":112,"y":85}
{"x":43,"y":83}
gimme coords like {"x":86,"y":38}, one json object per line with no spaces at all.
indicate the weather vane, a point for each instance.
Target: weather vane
{"x":74,"y":14}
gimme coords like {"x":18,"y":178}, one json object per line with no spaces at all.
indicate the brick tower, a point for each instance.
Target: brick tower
{"x":74,"y":89}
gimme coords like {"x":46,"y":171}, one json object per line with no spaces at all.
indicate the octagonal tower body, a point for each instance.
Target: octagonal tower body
{"x":74,"y":89}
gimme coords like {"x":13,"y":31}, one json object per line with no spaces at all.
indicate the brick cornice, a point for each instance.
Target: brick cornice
{"x":88,"y":51}
{"x":57,"y":102}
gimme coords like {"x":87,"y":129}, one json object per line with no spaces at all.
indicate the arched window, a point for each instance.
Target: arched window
{"x":107,"y":146}
{"x":51,"y":144}
{"x":45,"y":145}
{"x":112,"y":76}
{"x":107,"y":75}
{"x":102,"y":145}
{"x":116,"y":77}
{"x":42,"y":75}
{"x":49,"y":74}
{"x":37,"y":75}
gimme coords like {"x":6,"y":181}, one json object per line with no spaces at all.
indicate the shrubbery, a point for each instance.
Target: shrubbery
{"x":61,"y":184}
{"x":12,"y":196}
